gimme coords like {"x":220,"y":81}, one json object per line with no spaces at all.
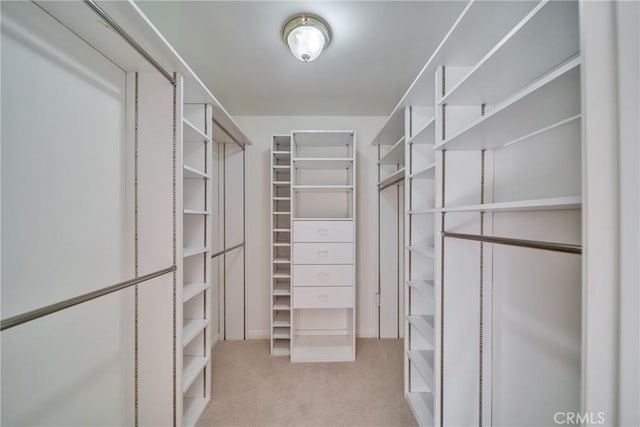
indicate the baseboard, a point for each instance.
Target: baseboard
{"x":258,"y":335}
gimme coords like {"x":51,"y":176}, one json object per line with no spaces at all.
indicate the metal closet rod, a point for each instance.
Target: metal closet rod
{"x":239,"y":245}
{"x":118,"y":29}
{"x":53,"y":308}
{"x":533,"y":244}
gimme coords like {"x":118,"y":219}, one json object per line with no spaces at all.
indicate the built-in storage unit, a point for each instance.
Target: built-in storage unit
{"x":124,"y":252}
{"x":493,"y":211}
{"x":280,"y":245}
{"x":323,"y":248}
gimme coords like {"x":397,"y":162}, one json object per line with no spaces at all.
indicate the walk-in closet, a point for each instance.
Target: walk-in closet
{"x":320,"y":213}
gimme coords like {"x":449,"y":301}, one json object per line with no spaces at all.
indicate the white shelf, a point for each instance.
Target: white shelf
{"x":192,"y":409}
{"x":427,"y":173}
{"x":280,"y":347}
{"x":422,"y":250}
{"x":281,"y":244}
{"x":281,"y":289}
{"x":187,"y":252}
{"x":421,"y":404}
{"x":395,"y":155}
{"x":280,"y":333}
{"x":547,"y":36}
{"x":424,"y":324}
{"x":282,"y":230}
{"x":282,"y":261}
{"x":192,"y":366}
{"x":191,"y":329}
{"x":195,"y":212}
{"x":322,"y":348}
{"x":282,"y":213}
{"x":190,"y":290}
{"x":282,"y":303}
{"x":555,"y":203}
{"x":281,"y":275}
{"x":426,"y":134}
{"x":322,"y":138}
{"x":281,"y":182}
{"x":323,"y":219}
{"x":422,"y":211}
{"x":281,"y":167}
{"x":323,"y":162}
{"x":551,"y":99}
{"x":396,"y":176}
{"x":190,"y":133}
{"x":323,"y":188}
{"x":281,"y":319}
{"x":420,"y":360}
{"x":282,"y":153}
{"x":193,"y":173}
{"x":279,"y":199}
{"x":422,"y":285}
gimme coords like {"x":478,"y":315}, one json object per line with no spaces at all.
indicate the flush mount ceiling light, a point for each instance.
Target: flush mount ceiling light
{"x":306,"y":35}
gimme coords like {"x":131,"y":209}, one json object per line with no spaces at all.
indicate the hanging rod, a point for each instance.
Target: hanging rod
{"x":233,"y":138}
{"x":533,"y":244}
{"x":118,"y":29}
{"x":394,"y":180}
{"x":53,"y":308}
{"x":239,"y":245}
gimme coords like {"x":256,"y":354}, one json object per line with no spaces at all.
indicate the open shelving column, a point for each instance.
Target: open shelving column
{"x":280,"y":245}
{"x":197,"y":232}
{"x":323,"y":246}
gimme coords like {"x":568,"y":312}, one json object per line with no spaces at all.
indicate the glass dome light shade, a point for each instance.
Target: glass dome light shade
{"x":306,"y":36}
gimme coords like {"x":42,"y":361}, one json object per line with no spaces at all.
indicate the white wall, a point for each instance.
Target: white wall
{"x":259,"y":130}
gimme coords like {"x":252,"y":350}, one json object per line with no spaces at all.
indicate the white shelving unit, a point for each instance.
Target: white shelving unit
{"x":323,"y":293}
{"x":493,"y":148}
{"x":281,"y":245}
{"x":197,"y":155}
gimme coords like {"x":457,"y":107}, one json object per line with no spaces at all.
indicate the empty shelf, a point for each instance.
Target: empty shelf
{"x":192,"y":366}
{"x":323,"y":188}
{"x":423,"y":250}
{"x":554,"y":98}
{"x":190,"y":133}
{"x":193,"y":173}
{"x":187,"y":252}
{"x":195,"y":212}
{"x":278,"y":198}
{"x":397,"y":176}
{"x":422,"y":211}
{"x":282,"y":153}
{"x":281,"y":332}
{"x":281,"y":275}
{"x":281,"y":167}
{"x":281,"y":319}
{"x":395,"y":155}
{"x":422,"y":285}
{"x":281,"y":244}
{"x":190,"y":290}
{"x":282,"y":261}
{"x":282,"y":303}
{"x":554,"y":203}
{"x":192,"y":409}
{"x":281,"y":182}
{"x":323,"y":138}
{"x":424,"y":324}
{"x":191,"y":329}
{"x":282,"y":213}
{"x":420,"y":359}
{"x":426,"y":134}
{"x":282,"y":230}
{"x":281,"y":289}
{"x":281,"y":347}
{"x":323,"y":163}
{"x":426,"y":173}
{"x":421,"y":404}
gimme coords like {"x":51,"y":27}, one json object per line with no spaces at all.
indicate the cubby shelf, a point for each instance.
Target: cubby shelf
{"x":422,"y":250}
{"x":191,"y":368}
{"x":281,"y":303}
{"x":424,"y":135}
{"x":281,"y":319}
{"x":421,"y":285}
{"x":420,"y":359}
{"x":190,"y":290}
{"x":395,"y":155}
{"x":280,"y":348}
{"x":425,"y":173}
{"x":191,"y":329}
{"x":281,"y":289}
{"x":554,"y":203}
{"x":192,"y":409}
{"x":323,"y":188}
{"x":424,"y":324}
{"x":421,"y":404}
{"x":195,"y":212}
{"x":555,"y":98}
{"x":193,"y":173}
{"x":192,"y":134}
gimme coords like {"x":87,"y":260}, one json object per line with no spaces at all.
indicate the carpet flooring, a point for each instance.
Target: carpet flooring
{"x":253,"y":388}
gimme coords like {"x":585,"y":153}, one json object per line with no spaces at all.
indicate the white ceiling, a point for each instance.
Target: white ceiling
{"x":235,"y":47}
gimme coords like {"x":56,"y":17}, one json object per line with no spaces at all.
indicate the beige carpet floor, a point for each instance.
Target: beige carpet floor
{"x":252,"y":388}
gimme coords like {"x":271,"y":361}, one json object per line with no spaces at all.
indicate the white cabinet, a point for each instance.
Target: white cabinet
{"x":323,"y":246}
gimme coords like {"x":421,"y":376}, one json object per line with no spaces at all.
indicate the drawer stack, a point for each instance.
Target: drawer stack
{"x":323,"y":247}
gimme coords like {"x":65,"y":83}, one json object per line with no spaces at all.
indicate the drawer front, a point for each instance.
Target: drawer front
{"x":323,"y":275}
{"x":322,"y":297}
{"x":323,"y":253}
{"x":323,"y":231}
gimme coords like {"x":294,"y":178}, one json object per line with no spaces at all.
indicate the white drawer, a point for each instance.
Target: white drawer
{"x":322,"y":297}
{"x":323,"y":231}
{"x":323,"y":275}
{"x":323,"y":253}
